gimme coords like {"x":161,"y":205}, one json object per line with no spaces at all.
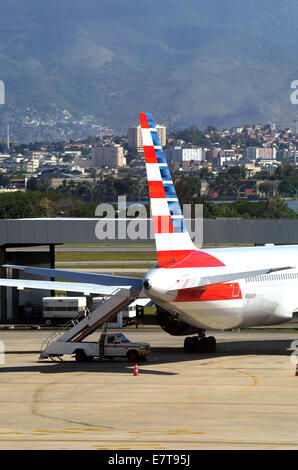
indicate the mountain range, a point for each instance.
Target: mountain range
{"x":192,"y":62}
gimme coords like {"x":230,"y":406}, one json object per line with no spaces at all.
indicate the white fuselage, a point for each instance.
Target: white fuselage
{"x":257,"y":300}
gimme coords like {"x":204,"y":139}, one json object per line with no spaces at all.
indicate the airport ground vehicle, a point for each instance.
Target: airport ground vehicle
{"x":114,"y":345}
{"x":69,"y":338}
{"x":57,"y":310}
{"x":134,"y":311}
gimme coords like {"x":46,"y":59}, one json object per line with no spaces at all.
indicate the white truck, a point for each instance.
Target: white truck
{"x":110,"y":346}
{"x":61,"y":309}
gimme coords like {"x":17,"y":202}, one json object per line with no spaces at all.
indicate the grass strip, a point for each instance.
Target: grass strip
{"x":106,"y":256}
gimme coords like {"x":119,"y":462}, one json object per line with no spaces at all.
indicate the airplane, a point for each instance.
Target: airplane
{"x":193,"y":289}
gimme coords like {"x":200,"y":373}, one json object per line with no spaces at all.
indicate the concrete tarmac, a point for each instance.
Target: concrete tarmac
{"x":244,"y":396}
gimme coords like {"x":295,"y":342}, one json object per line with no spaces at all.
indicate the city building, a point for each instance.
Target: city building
{"x":32,"y":165}
{"x":263,"y":153}
{"x":135,"y":137}
{"x":211,"y":154}
{"x":179,"y":154}
{"x":252,"y":169}
{"x":226,"y":158}
{"x":110,"y":156}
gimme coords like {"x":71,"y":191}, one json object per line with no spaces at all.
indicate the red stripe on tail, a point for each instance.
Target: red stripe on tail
{"x":156,"y":189}
{"x":144,"y":121}
{"x":187,"y":259}
{"x":150,"y":155}
{"x":162,"y":224}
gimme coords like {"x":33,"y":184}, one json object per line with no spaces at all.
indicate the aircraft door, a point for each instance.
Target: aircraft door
{"x":235,"y":290}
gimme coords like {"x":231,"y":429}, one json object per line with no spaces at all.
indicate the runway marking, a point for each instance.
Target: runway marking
{"x":214,"y":362}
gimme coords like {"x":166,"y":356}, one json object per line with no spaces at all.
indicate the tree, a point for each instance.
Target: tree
{"x":21,"y":205}
{"x":193,"y":136}
{"x":265,"y":188}
{"x":35,"y":184}
{"x":277,"y":208}
{"x":187,"y":189}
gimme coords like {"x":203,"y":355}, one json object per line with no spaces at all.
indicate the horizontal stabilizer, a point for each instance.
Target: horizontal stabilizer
{"x":207,"y":281}
{"x":94,"y":278}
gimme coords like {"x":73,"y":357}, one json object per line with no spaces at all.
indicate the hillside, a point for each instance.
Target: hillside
{"x":195,"y":62}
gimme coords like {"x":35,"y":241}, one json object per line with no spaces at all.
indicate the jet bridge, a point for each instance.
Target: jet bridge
{"x":65,"y":340}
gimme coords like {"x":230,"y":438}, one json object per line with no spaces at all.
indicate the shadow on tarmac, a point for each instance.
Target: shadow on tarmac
{"x":159,"y":355}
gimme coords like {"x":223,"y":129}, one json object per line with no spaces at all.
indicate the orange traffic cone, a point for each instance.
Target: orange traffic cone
{"x":136,"y":371}
{"x":296,"y":370}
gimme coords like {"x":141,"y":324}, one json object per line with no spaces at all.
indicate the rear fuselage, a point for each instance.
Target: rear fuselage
{"x":257,"y":300}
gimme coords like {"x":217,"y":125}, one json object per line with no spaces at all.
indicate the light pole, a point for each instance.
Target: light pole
{"x":141,"y":189}
{"x":237,"y":188}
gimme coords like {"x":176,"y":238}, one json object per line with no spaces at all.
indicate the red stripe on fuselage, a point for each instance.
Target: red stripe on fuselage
{"x":229,"y":291}
{"x":187,"y":259}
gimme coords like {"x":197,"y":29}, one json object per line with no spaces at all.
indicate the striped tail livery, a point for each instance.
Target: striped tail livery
{"x":173,"y":243}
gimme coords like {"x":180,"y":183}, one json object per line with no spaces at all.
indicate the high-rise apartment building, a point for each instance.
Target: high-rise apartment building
{"x":135,"y":137}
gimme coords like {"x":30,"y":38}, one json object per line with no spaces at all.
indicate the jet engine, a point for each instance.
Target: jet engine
{"x":171,"y":325}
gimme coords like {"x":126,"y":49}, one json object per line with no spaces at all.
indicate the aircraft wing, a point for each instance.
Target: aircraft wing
{"x":190,"y":283}
{"x":85,"y":288}
{"x":102,"y":279}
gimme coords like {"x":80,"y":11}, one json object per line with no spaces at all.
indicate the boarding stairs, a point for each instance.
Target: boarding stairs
{"x":102,"y":341}
{"x":79,"y":328}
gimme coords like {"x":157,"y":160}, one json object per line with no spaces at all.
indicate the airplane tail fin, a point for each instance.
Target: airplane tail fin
{"x":173,"y":242}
